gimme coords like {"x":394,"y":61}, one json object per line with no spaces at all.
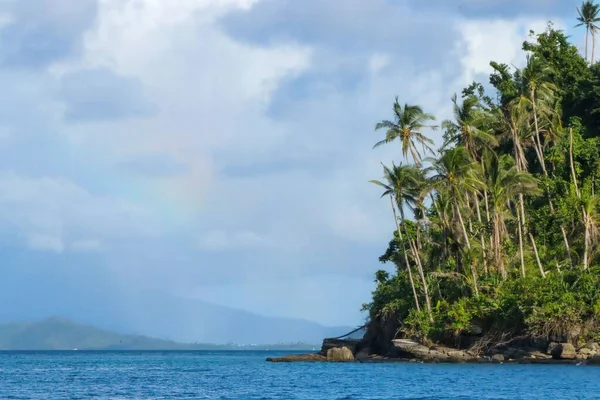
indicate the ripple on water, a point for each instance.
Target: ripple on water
{"x":245,"y":375}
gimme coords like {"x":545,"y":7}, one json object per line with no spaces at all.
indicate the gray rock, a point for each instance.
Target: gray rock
{"x":552,"y":347}
{"x":340,"y":354}
{"x":594,"y":360}
{"x":408,"y":348}
{"x":564,"y":351}
{"x":298,"y":358}
{"x":498,"y":358}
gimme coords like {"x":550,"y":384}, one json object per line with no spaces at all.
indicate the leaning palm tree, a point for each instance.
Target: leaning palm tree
{"x":588,"y":17}
{"x":455,"y":173}
{"x":409,"y":121}
{"x":507,"y":184}
{"x":399,"y":181}
{"x":470,"y":127}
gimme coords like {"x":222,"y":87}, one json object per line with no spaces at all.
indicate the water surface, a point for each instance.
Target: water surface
{"x":245,"y":375}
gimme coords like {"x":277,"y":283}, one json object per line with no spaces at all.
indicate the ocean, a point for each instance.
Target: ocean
{"x":246,"y":375}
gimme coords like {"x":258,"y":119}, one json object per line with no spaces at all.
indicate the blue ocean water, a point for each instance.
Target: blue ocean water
{"x":246,"y":375}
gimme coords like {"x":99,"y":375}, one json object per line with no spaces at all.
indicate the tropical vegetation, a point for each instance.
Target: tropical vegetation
{"x":497,"y":231}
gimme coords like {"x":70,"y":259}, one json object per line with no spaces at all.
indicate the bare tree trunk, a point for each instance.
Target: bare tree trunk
{"x":537,"y":256}
{"x":520,"y":230}
{"x":587,"y":33}
{"x":483,"y":255}
{"x":464,"y":230}
{"x":593,"y":46}
{"x":572,"y":162}
{"x":497,"y":242}
{"x":586,"y":245}
{"x":410,"y":277}
{"x":415,"y":252}
{"x":538,"y":140}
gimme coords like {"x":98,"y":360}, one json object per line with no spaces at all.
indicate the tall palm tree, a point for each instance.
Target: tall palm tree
{"x":409,"y":121}
{"x":506,"y":183}
{"x":591,"y":216}
{"x":399,"y":185}
{"x":455,"y":173}
{"x":538,"y":93}
{"x":471,"y":126}
{"x":588,"y":17}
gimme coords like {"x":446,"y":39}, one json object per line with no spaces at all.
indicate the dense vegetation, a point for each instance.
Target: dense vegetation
{"x":497,"y":231}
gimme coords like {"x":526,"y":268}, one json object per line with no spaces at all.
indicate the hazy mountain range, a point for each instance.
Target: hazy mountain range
{"x":159,"y":315}
{"x":60,"y":334}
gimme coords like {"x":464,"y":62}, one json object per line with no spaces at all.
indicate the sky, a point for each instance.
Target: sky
{"x":221,"y":149}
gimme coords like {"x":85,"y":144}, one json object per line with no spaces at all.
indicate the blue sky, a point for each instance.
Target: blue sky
{"x":220,"y":149}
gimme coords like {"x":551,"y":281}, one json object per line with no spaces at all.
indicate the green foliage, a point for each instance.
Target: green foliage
{"x":504,"y":235}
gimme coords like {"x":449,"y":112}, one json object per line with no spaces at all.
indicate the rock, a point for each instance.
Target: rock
{"x":475,"y":330}
{"x":298,"y":358}
{"x":538,"y":355}
{"x":564,"y":351}
{"x":363,"y":353}
{"x":410,"y":349}
{"x":582,"y":356}
{"x":511,"y":352}
{"x":594,"y":360}
{"x":552,"y":347}
{"x":437,"y":356}
{"x":498,"y":358}
{"x":586,"y":351}
{"x":340,"y":354}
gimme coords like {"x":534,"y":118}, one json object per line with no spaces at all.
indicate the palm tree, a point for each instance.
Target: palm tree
{"x":505,"y":184}
{"x":588,"y":16}
{"x":470,"y":127}
{"x":591,"y":216}
{"x":399,"y":184}
{"x":455,"y":173}
{"x":537,"y":92}
{"x":408,"y":123}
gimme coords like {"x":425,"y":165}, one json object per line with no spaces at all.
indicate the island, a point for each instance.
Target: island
{"x":496,"y":235}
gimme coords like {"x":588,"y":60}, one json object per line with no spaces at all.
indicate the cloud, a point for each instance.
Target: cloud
{"x":102,"y":95}
{"x":39,"y":32}
{"x":225,"y":143}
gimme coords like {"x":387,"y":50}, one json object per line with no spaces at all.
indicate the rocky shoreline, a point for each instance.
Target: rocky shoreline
{"x":404,"y":350}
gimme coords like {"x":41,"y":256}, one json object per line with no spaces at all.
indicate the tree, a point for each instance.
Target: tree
{"x":399,"y":185}
{"x":454,"y":173}
{"x":409,"y":121}
{"x":506,"y":183}
{"x":588,"y":16}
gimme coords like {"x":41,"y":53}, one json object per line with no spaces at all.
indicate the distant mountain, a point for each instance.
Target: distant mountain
{"x":160,"y":315}
{"x":62,"y":334}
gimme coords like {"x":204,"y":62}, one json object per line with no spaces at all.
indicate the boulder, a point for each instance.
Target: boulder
{"x":298,"y":358}
{"x":594,"y":360}
{"x":586,"y":351}
{"x":409,"y":349}
{"x":498,"y":358}
{"x":340,"y":354}
{"x":564,"y":351}
{"x":552,"y":347}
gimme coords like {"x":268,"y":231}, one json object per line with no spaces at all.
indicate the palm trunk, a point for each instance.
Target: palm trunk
{"x":468,"y":243}
{"x":587,"y":33}
{"x":415,"y":252}
{"x":593,"y":45}
{"x":520,"y":230}
{"x":410,"y":277}
{"x":498,"y":259}
{"x":483,"y":255}
{"x":538,"y":140}
{"x":572,"y":162}
{"x":586,"y":246}
{"x":537,"y":256}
